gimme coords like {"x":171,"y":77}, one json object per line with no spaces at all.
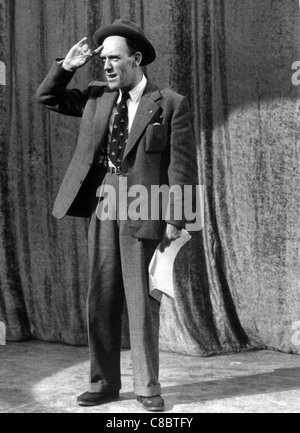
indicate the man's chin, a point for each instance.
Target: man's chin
{"x":112,"y":84}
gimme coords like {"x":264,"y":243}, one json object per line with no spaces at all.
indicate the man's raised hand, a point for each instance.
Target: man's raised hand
{"x":79,"y":55}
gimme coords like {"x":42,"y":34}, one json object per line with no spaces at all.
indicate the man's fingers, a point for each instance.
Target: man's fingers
{"x":167,"y":240}
{"x":165,"y":243}
{"x":97,"y":51}
{"x":83,"y":40}
{"x":162,"y":247}
{"x":88,"y":52}
{"x":177,"y":235}
{"x":100,"y":48}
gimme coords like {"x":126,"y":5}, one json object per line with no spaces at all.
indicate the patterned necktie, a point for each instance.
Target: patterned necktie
{"x":119,"y":135}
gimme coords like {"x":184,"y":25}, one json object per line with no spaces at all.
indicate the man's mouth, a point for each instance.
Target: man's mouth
{"x":111,"y":76}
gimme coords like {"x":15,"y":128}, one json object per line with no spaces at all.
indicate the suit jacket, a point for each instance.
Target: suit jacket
{"x":160,"y":148}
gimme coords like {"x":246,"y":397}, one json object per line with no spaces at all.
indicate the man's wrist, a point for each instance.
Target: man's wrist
{"x":67,"y":67}
{"x":178,"y":226}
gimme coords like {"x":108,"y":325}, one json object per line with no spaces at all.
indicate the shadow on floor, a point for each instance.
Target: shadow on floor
{"x":280,"y":380}
{"x":45,"y":377}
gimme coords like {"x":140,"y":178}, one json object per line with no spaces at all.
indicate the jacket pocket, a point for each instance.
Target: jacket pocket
{"x":156,"y":138}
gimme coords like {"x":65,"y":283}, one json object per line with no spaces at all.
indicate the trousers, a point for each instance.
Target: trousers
{"x":118,"y":271}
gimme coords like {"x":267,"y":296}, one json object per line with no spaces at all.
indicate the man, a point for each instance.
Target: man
{"x":130,"y":131}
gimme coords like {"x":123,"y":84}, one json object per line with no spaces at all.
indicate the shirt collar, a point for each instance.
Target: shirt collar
{"x":136,"y":93}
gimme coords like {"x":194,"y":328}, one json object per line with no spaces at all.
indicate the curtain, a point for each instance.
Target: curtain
{"x":237,"y":280}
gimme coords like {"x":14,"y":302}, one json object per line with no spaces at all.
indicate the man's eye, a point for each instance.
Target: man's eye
{"x":111,"y":59}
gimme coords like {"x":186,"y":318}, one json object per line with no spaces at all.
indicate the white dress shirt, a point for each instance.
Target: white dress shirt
{"x":132,"y":103}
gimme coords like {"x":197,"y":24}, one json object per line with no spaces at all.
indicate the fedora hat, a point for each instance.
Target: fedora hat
{"x":129,"y":30}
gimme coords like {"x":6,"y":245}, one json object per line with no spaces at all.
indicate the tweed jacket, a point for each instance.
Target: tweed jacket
{"x":160,"y":148}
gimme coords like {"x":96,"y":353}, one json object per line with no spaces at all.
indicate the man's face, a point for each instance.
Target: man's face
{"x":118,"y":64}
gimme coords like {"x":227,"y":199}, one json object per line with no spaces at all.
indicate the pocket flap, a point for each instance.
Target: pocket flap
{"x":156,"y":138}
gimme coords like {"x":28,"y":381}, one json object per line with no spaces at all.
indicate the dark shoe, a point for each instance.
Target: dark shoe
{"x":97,"y":398}
{"x":154,"y":403}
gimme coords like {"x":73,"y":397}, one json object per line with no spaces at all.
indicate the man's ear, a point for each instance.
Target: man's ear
{"x":137,"y":59}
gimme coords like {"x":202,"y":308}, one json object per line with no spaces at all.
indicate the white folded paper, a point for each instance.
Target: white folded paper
{"x":161,"y":268}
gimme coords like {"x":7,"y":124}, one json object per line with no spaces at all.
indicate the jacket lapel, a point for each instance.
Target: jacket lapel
{"x":146,"y":111}
{"x":103,"y":111}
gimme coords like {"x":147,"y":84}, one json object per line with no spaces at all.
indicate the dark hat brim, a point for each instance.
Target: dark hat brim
{"x":145,"y":46}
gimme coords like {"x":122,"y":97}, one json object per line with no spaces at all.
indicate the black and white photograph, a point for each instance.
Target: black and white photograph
{"x":149,"y":209}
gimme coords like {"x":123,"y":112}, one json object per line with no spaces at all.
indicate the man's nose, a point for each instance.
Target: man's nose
{"x":107,"y":65}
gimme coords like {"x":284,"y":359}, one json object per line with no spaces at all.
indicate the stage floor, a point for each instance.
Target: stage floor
{"x":39,"y":377}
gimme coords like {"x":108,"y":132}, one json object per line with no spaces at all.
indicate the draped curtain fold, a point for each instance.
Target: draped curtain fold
{"x":237,"y":280}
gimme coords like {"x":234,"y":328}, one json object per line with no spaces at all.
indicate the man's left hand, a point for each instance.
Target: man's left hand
{"x":170,"y":234}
